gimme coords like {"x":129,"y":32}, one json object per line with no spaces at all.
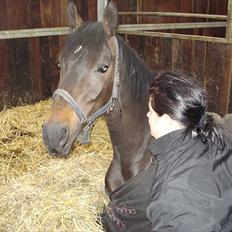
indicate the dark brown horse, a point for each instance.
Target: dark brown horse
{"x":101,"y":75}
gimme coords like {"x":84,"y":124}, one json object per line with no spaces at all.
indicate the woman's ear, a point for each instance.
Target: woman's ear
{"x":110,"y":18}
{"x":74,"y":17}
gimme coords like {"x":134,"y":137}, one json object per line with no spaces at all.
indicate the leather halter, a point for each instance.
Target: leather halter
{"x":87,"y":121}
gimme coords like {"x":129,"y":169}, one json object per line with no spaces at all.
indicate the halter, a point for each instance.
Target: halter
{"x":87,"y":121}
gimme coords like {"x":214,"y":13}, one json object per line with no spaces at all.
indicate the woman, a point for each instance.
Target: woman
{"x":192,"y":188}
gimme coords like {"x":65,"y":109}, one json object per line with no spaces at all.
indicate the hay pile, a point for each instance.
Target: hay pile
{"x":41,"y":193}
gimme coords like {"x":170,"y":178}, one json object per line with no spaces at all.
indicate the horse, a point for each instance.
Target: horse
{"x":101,"y":75}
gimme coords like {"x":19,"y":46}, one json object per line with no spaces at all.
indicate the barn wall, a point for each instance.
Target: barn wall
{"x":208,"y":62}
{"x":28,"y":67}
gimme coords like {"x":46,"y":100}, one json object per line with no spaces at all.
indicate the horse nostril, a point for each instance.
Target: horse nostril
{"x":64,"y":136}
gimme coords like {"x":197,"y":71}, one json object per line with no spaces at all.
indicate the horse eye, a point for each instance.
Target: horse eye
{"x":103,"y":68}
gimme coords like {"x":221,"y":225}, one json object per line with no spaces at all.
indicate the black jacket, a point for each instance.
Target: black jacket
{"x":192,"y":189}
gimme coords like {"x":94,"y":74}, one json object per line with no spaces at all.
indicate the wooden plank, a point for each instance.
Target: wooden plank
{"x":119,"y":4}
{"x":45,"y":68}
{"x":214,"y":75}
{"x":165,"y":57}
{"x":199,"y":7}
{"x":63,"y":13}
{"x":170,"y":26}
{"x":92,"y":10}
{"x":143,"y":47}
{"x":175,"y":14}
{"x":18,"y":14}
{"x":164,"y":47}
{"x":177,"y":55}
{"x":222,"y":9}
{"x":46,"y":21}
{"x":35,"y":32}
{"x":84,"y":10}
{"x":54,"y":48}
{"x":35,"y":14}
{"x":229,"y":20}
{"x":3,"y":15}
{"x":198,"y":61}
{"x":63,"y":19}
{"x":210,"y":9}
{"x":50,"y":17}
{"x":19,"y":17}
{"x":225,"y":93}
{"x":146,"y":5}
{"x":148,"y":51}
{"x":133,"y":41}
{"x":225,"y":96}
{"x":153,"y":46}
{"x":186,"y":45}
{"x":19,"y":71}
{"x":54,"y":69}
{"x":46,"y":13}
{"x":35,"y":53}
{"x":4,"y":63}
{"x":169,"y":5}
{"x":177,"y":36}
{"x":35,"y":68}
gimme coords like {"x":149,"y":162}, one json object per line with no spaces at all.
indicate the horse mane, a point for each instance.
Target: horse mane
{"x":89,"y":34}
{"x":139,"y":75}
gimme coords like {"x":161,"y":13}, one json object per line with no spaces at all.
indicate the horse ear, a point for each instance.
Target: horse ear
{"x":74,"y":17}
{"x":110,"y":18}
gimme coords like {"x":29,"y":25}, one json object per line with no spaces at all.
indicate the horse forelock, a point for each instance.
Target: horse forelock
{"x":138,"y":74}
{"x":89,"y":37}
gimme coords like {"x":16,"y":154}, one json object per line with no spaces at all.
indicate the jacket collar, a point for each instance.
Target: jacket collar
{"x":161,"y":146}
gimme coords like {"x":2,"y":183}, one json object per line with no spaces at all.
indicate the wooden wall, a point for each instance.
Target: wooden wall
{"x":209,"y":62}
{"x":28,"y":67}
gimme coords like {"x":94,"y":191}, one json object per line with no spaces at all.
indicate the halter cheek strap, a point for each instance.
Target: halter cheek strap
{"x":87,"y":121}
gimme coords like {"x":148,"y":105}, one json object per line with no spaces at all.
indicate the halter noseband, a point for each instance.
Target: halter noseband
{"x":87,"y":121}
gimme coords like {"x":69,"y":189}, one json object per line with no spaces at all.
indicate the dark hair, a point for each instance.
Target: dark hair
{"x":185,"y":101}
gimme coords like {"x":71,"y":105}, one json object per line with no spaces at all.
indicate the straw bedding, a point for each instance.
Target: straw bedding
{"x":41,"y":193}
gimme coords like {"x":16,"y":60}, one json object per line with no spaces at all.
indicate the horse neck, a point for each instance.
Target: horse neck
{"x":127,"y":123}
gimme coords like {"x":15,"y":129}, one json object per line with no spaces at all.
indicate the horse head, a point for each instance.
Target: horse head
{"x":87,"y":86}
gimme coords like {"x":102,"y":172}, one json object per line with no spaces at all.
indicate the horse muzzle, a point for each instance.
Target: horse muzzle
{"x":56,"y":137}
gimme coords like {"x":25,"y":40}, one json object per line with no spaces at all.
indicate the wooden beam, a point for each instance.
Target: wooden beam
{"x":177,"y":36}
{"x":40,"y":32}
{"x":167,"y":26}
{"x":37,"y":32}
{"x":175,"y":14}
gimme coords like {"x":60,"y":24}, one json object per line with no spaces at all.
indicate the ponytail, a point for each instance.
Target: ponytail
{"x":210,"y":131}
